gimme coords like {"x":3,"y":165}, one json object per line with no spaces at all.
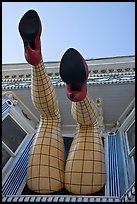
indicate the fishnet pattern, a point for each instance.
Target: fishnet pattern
{"x":43,"y":93}
{"x":85,"y":112}
{"x":46,"y":163}
{"x":85,"y":165}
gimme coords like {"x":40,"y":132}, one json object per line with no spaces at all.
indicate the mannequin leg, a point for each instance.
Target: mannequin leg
{"x":45,"y":173}
{"x":47,"y":156}
{"x":85,"y":166}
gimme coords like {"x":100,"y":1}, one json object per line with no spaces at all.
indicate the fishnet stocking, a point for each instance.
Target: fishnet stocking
{"x":85,"y":166}
{"x":47,"y":155}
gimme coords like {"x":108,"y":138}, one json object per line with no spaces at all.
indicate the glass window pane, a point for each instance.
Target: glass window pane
{"x":131,"y":136}
{"x":12,"y":133}
{"x":5,"y":157}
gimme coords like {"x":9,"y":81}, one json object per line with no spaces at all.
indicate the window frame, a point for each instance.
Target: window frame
{"x":15,"y":113}
{"x":5,"y":146}
{"x":132,"y":151}
{"x":127,"y":154}
{"x":13,"y":155}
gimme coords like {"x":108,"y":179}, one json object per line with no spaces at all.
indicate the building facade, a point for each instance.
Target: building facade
{"x":111,"y":84}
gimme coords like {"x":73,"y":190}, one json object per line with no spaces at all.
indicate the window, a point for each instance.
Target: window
{"x":131,"y":140}
{"x":131,"y":136}
{"x":5,"y":157}
{"x":12,"y":136}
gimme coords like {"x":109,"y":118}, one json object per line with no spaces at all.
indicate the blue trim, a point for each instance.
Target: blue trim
{"x":112,"y":165}
{"x":121,"y":169}
{"x":118,"y":172}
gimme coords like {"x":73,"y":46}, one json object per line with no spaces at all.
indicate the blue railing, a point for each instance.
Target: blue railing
{"x":18,"y":173}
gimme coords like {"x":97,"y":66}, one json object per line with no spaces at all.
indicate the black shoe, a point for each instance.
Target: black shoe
{"x":30,"y":30}
{"x":74,"y":72}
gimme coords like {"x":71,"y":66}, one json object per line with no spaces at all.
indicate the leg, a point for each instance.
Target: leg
{"x":43,"y":93}
{"x":46,"y":163}
{"x":85,"y":168}
{"x":47,"y":155}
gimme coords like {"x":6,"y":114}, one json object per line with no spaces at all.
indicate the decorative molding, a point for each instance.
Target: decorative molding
{"x":93,"y":79}
{"x":111,"y":70}
{"x":100,"y":116}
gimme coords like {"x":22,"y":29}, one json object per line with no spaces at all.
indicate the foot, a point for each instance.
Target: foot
{"x":30,"y":30}
{"x":74,"y":72}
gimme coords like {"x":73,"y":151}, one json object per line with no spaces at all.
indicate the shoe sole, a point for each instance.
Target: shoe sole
{"x":29,"y":27}
{"x":73,"y":68}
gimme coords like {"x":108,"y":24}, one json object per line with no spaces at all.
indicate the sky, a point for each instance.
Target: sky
{"x":95,"y":29}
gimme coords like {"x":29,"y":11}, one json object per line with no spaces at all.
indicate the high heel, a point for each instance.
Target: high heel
{"x":74,"y":72}
{"x":30,"y":30}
